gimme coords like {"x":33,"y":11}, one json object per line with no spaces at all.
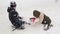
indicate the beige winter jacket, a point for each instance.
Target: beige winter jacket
{"x":40,"y":18}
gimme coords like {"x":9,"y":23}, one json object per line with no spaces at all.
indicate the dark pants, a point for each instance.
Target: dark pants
{"x":46,"y":21}
{"x":16,"y":22}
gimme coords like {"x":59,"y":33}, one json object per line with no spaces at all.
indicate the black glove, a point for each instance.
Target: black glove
{"x":20,"y":17}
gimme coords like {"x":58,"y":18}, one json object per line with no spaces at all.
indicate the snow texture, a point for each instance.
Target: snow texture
{"x":25,"y":9}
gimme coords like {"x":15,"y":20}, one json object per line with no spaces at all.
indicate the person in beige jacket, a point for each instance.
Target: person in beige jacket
{"x":43,"y":19}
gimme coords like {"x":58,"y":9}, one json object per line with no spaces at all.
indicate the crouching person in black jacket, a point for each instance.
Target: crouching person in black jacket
{"x":43,"y":19}
{"x":14,"y":17}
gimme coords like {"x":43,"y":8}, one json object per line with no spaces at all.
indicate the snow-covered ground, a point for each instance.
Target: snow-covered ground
{"x":25,"y":9}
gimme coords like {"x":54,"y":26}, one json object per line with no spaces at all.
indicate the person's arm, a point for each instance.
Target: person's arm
{"x":18,"y":16}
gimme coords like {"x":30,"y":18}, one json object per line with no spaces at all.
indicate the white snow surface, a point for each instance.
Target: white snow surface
{"x":25,"y":9}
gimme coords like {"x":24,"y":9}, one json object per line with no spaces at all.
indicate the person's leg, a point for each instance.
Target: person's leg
{"x":46,"y":22}
{"x":22,"y":24}
{"x":22,"y":27}
{"x":46,"y":25}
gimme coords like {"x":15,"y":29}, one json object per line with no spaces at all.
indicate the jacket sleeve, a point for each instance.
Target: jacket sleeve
{"x":19,"y":16}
